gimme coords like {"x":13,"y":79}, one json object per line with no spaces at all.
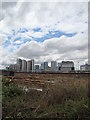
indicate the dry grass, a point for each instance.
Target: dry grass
{"x":58,"y":98}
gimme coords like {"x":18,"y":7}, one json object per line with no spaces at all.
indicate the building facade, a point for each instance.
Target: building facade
{"x":42,"y":67}
{"x":45,"y":66}
{"x":12,"y":67}
{"x":53,"y":65}
{"x":67,"y":66}
{"x":36,"y":68}
{"x":30,"y":66}
{"x":59,"y":66}
{"x":24,"y":66}
{"x":85,"y":67}
{"x":19,"y":65}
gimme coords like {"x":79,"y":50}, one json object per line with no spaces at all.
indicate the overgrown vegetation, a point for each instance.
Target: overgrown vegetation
{"x":54,"y":102}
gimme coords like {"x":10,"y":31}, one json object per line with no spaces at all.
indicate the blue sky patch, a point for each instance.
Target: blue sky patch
{"x":23,"y":30}
{"x":37,"y":29}
{"x":6,"y":43}
{"x":20,"y":40}
{"x":54,"y":34}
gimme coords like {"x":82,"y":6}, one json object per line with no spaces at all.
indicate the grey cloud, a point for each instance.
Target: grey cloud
{"x":24,"y":9}
{"x":8,"y":13}
{"x":64,"y":45}
{"x":75,"y":55}
{"x":6,"y":5}
{"x":42,"y":14}
{"x":1,"y":11}
{"x":30,"y":49}
{"x":17,"y":15}
{"x":52,"y":47}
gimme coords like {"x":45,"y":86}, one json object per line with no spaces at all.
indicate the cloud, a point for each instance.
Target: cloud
{"x":69,"y":48}
{"x":3,"y":37}
{"x":30,"y":49}
{"x":19,"y":38}
{"x":59,"y":16}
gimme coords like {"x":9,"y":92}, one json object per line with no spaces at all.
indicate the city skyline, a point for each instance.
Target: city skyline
{"x":44,"y":32}
{"x":30,"y":66}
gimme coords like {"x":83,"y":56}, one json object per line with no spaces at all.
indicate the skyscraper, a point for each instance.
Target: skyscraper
{"x":30,"y":66}
{"x":53,"y":65}
{"x":19,"y":65}
{"x":59,"y":66}
{"x":36,"y":68}
{"x":45,"y":65}
{"x":42,"y":67}
{"x":24,"y":66}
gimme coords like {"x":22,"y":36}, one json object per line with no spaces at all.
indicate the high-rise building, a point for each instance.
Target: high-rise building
{"x":42,"y":67}
{"x":19,"y":65}
{"x":53,"y":65}
{"x":30,"y":66}
{"x":24,"y":66}
{"x":36,"y":68}
{"x":59,"y":66}
{"x":45,"y":66}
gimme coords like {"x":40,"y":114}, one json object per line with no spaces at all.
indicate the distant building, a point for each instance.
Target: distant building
{"x":45,"y":66}
{"x":59,"y":66}
{"x":7,"y":68}
{"x":42,"y":67}
{"x":36,"y":68}
{"x":24,"y":66}
{"x":19,"y":65}
{"x":12,"y":67}
{"x":30,"y":66}
{"x":85,"y":67}
{"x":53,"y":65}
{"x":67,"y":66}
{"x":48,"y":69}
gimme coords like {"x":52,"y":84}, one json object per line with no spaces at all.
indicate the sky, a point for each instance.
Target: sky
{"x":43,"y":31}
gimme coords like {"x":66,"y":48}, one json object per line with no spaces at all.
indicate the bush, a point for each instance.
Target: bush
{"x":10,"y":90}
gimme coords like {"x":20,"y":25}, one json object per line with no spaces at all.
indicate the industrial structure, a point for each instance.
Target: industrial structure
{"x":67,"y":66}
{"x":85,"y":67}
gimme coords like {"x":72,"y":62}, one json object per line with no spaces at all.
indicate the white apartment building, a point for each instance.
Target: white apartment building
{"x":53,"y":65}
